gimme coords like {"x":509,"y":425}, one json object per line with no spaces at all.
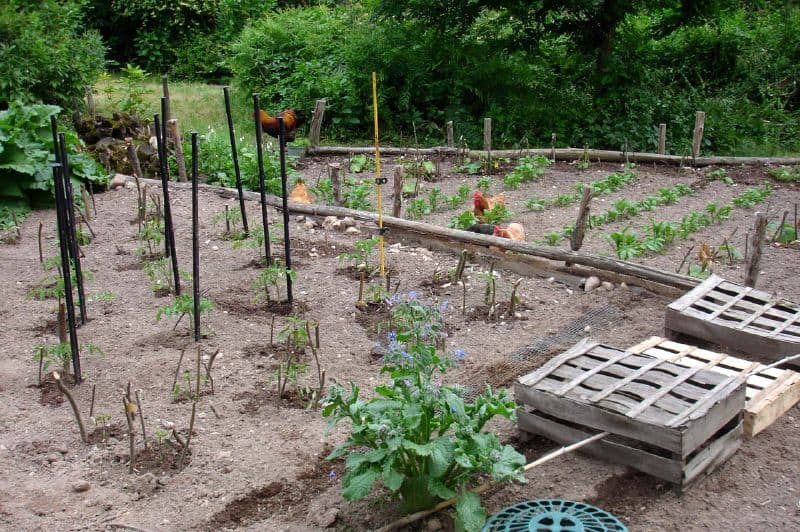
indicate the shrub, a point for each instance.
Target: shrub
{"x":46,"y":55}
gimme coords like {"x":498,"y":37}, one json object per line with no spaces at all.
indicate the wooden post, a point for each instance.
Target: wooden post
{"x":487,"y":135}
{"x":553,"y":147}
{"x":166,"y":113}
{"x":662,"y":139}
{"x":172,"y":127}
{"x":333,"y":172}
{"x":449,"y":127}
{"x":699,"y":127}
{"x":90,"y":101}
{"x":755,"y":245}
{"x":133,"y":157}
{"x":397,"y":200}
{"x":316,"y":123}
{"x":576,"y":240}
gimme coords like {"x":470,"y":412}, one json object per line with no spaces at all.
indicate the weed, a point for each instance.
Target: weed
{"x":553,"y":238}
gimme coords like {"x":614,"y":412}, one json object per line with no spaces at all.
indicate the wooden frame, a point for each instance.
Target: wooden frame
{"x":769,"y":394}
{"x":731,"y":315}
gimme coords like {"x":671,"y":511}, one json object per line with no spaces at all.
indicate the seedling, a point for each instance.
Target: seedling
{"x":535,"y":204}
{"x":356,"y":194}
{"x":782,"y":233}
{"x":718,"y":214}
{"x":721,"y":175}
{"x":231,"y":217}
{"x":361,"y":163}
{"x":182,"y":306}
{"x":583,"y":161}
{"x":497,"y":214}
{"x":159,"y":272}
{"x":59,"y":354}
{"x":152,"y":235}
{"x":101,"y":421}
{"x":270,"y":278}
{"x":625,"y":244}
{"x":463,"y":220}
{"x":361,"y":257}
{"x":553,"y":238}
{"x":484,"y":184}
{"x":785,"y":174}
{"x":417,"y":208}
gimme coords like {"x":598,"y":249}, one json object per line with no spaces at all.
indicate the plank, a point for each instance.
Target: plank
{"x":787,"y":324}
{"x":773,"y":313}
{"x":575,"y":351}
{"x":716,"y":453}
{"x":738,"y":297}
{"x":636,"y":374}
{"x":765,"y":409}
{"x":658,"y":466}
{"x":764,"y":323}
{"x":711,"y":396}
{"x":755,"y":315}
{"x":696,"y":293}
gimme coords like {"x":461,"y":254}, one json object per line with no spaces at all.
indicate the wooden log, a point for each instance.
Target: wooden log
{"x":454,"y":237}
{"x":450,"y":141}
{"x":561,"y":154}
{"x":336,"y":183}
{"x":697,"y":137}
{"x":315,"y":129}
{"x":756,"y":245}
{"x":576,"y":240}
{"x":172,"y":128}
{"x":90,"y":101}
{"x":487,"y":136}
{"x":165,"y":94}
{"x":397,"y":200}
{"x":662,"y":139}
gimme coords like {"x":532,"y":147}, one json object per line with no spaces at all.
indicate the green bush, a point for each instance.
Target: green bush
{"x":46,"y":55}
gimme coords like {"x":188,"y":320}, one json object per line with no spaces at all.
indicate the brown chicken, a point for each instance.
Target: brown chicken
{"x":292,"y":119}
{"x":482,"y":203}
{"x":514,"y":231}
{"x":299,"y":194}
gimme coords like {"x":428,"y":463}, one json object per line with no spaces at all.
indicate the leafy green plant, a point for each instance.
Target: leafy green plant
{"x":417,"y":208}
{"x":497,"y":214}
{"x":52,"y":285}
{"x":470,"y":167}
{"x":785,"y":174}
{"x":785,"y":234}
{"x":683,"y":189}
{"x":625,"y":243}
{"x":356,"y":194}
{"x":668,"y":196}
{"x":562,"y":200}
{"x":270,"y":278}
{"x":484,"y":184}
{"x":182,"y":306}
{"x":718,"y":213}
{"x":434,"y":198}
{"x":361,"y":163}
{"x":720,"y":175}
{"x":231,"y":217}
{"x":750,"y":197}
{"x":699,"y":271}
{"x":61,"y":355}
{"x":323,"y":191}
{"x":626,"y":208}
{"x":535,"y":204}
{"x":553,"y":238}
{"x":151,"y":234}
{"x":361,"y":258}
{"x":421,"y":438}
{"x":463,"y":220}
{"x":693,"y":222}
{"x":128,"y":90}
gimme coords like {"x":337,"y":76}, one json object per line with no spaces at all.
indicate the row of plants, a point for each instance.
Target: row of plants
{"x":527,"y":169}
{"x":611,"y":183}
{"x":659,"y":235}
{"x":435,"y":201}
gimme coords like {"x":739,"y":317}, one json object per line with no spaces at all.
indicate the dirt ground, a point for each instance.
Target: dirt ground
{"x":254,"y":466}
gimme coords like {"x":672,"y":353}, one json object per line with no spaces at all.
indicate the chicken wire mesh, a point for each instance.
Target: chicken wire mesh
{"x":525,"y":359}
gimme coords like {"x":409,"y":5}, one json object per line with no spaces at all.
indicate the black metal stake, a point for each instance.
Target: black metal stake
{"x":195,"y":242}
{"x":262,"y":185}
{"x":235,"y":155}
{"x":169,"y":234}
{"x":72,"y":238}
{"x":286,"y":243}
{"x":62,"y":220}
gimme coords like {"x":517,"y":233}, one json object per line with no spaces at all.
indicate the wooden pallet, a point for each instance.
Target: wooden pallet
{"x":735,"y":316}
{"x":769,"y":394}
{"x":668,"y":420}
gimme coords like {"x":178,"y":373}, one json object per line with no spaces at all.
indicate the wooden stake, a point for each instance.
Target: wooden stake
{"x":397,"y":199}
{"x":697,"y":138}
{"x":91,"y":404}
{"x":576,"y":240}
{"x":449,"y":127}
{"x":127,"y":407}
{"x":165,"y":94}
{"x":41,"y":255}
{"x":756,"y":246}
{"x":87,"y":213}
{"x":553,"y":147}
{"x":65,"y":392}
{"x":141,"y":416}
{"x":172,"y":128}
{"x":487,"y":140}
{"x":686,"y":256}
{"x":662,"y":139}
{"x":90,"y":102}
{"x":315,"y":130}
{"x":333,"y":173}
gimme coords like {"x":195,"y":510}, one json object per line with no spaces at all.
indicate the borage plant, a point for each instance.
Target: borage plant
{"x":418,"y":436}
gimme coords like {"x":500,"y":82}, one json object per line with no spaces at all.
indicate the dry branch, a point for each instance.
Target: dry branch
{"x":73,"y":404}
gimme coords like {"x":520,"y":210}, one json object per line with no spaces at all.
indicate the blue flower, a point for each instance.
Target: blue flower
{"x":392,"y":337}
{"x":413,"y":295}
{"x":460,"y":354}
{"x":332,"y":475}
{"x":406,"y":355}
{"x":443,"y":306}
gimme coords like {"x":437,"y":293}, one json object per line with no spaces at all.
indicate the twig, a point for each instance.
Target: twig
{"x":779,"y":230}
{"x":178,"y":369}
{"x":65,"y":392}
{"x":178,"y":438}
{"x":213,"y":409}
{"x":141,"y":416}
{"x":127,"y":407}
{"x":208,"y":369}
{"x":512,"y":302}
{"x":407,"y":520}
{"x":684,"y":259}
{"x":188,"y":437}
{"x":91,"y":405}
{"x":41,"y":255}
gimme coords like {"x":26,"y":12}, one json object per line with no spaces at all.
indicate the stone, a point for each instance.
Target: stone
{"x":591,"y":283}
{"x":352,"y":230}
{"x":301,"y":218}
{"x":118,"y":181}
{"x":80,"y":486}
{"x":325,"y":518}
{"x":347,"y":221}
{"x":309,"y":224}
{"x":53,"y":457}
{"x":329,"y":221}
{"x":605,"y":285}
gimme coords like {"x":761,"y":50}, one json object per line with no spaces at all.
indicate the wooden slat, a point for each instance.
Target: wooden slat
{"x":756,"y":315}
{"x":712,"y":393}
{"x":586,"y":374}
{"x":787,"y":324}
{"x":636,"y":374}
{"x":738,"y":297}
{"x":575,"y":351}
{"x":683,"y":377}
{"x":696,"y":293}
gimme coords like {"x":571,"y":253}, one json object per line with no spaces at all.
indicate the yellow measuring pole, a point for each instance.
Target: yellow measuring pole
{"x":378,"y":179}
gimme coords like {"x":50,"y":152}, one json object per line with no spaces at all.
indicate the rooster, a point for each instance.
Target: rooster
{"x":292,"y":119}
{"x":514,"y":231}
{"x":482,"y":203}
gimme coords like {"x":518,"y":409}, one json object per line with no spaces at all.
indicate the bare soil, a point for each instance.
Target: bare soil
{"x":254,"y":466}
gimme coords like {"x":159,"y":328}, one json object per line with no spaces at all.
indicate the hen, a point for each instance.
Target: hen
{"x":514,"y":231}
{"x":299,"y":194}
{"x":292,"y":119}
{"x":481,"y":203}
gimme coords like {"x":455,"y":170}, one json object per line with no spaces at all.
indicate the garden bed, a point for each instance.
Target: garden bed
{"x":259,"y":467}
